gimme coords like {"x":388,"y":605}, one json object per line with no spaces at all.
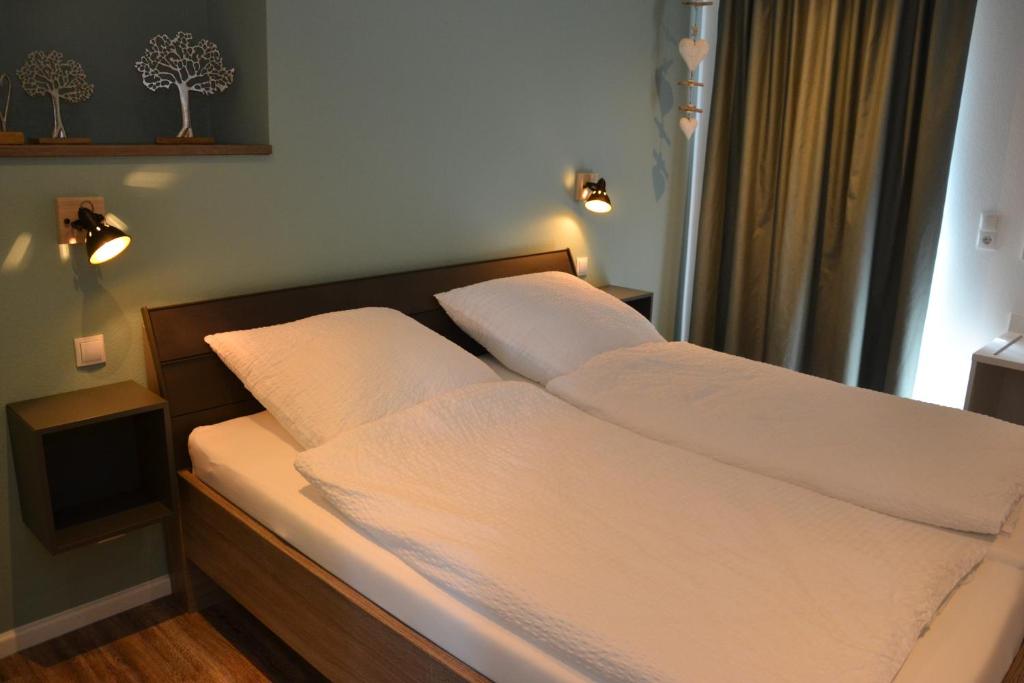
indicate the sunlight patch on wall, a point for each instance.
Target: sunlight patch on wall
{"x":15,"y":258}
{"x":150,"y":180}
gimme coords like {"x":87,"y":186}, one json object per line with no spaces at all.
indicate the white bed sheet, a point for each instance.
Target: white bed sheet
{"x":250,"y":461}
{"x":504,"y":372}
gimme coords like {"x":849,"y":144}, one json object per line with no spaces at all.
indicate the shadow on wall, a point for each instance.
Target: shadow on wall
{"x":668,"y":69}
{"x":100,"y":311}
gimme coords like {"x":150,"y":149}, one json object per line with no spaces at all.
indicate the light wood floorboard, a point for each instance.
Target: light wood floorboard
{"x":160,"y":642}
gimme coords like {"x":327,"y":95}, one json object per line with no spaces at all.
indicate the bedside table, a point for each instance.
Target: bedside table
{"x":92,"y":464}
{"x":996,"y":387}
{"x":638,"y":299}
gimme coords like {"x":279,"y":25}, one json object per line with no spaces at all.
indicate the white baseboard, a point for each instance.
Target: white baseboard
{"x":22,"y":637}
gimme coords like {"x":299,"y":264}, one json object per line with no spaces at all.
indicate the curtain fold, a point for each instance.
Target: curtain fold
{"x":831,"y":131}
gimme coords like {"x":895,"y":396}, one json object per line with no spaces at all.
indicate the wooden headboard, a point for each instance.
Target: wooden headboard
{"x":201,"y":390}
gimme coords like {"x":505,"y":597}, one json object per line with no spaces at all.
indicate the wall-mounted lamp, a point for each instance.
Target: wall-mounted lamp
{"x":592,"y":190}
{"x":81,"y":219}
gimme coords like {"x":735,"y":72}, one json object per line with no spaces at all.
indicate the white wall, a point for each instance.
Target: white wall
{"x":974,"y":292}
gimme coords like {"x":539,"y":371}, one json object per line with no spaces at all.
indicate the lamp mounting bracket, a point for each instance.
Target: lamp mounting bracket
{"x":582,"y":178}
{"x":67,"y":213}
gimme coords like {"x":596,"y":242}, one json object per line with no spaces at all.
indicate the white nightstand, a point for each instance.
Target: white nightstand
{"x":997,"y":379}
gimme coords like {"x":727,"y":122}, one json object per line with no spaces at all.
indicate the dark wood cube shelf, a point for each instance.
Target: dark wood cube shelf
{"x":92,"y":464}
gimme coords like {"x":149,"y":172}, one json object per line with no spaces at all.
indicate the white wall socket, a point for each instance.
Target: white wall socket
{"x":988,"y":232}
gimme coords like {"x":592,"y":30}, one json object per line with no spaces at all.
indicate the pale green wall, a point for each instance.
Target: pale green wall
{"x":406,"y":134}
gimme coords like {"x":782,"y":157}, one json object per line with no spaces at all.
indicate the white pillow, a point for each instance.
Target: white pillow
{"x":321,"y":375}
{"x":545,"y":324}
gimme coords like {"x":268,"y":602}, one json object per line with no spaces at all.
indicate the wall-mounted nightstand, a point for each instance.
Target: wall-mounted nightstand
{"x":92,"y":464}
{"x":639,"y":299}
{"x":997,"y":380}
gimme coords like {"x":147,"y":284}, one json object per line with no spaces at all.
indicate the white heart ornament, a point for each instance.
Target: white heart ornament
{"x":688,"y":126}
{"x":693,"y":51}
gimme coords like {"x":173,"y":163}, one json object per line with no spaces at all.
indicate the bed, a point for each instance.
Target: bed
{"x":249,"y":461}
{"x":353,"y":610}
{"x":337,"y":629}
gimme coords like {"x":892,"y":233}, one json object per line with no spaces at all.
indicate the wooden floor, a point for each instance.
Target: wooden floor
{"x":158,"y":642}
{"x":1016,"y":672}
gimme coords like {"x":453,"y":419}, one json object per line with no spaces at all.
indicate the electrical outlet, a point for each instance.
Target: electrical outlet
{"x":988,"y":231}
{"x":988,"y":240}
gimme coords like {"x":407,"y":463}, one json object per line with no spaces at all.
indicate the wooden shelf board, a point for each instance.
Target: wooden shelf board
{"x":625,"y":293}
{"x":110,"y":525}
{"x":96,"y":404}
{"x":36,"y":151}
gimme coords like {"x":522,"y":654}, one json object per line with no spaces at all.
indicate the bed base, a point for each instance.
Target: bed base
{"x":334,"y":627}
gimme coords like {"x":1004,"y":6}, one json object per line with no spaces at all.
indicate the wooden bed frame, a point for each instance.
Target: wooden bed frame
{"x":337,"y":629}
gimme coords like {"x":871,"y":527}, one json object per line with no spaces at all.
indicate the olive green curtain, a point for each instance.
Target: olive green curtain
{"x":831,"y":131}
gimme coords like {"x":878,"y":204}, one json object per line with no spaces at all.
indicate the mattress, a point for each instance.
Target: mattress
{"x":249,"y":460}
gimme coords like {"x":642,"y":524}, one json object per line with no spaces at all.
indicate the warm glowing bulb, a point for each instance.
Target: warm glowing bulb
{"x":598,"y":205}
{"x":110,"y":249}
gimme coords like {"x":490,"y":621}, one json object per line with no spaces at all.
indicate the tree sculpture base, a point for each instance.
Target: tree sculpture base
{"x":184,"y":141}
{"x":64,"y":141}
{"x":11,"y":138}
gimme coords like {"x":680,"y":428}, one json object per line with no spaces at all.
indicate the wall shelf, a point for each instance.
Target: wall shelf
{"x":49,"y":151}
{"x":92,"y":464}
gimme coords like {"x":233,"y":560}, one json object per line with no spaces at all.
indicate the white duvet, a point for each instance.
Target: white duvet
{"x":630,"y":559}
{"x":913,"y":460}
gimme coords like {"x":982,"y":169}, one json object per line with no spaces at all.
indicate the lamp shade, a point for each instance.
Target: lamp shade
{"x":597,"y":199}
{"x":104,"y":243}
{"x":102,"y":240}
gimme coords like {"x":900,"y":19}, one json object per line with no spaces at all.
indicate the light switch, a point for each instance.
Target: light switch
{"x":90,"y":351}
{"x":582,"y":266}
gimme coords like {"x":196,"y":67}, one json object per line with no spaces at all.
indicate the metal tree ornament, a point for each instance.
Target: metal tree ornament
{"x":48,"y":73}
{"x":5,"y":80}
{"x":7,"y":137}
{"x":187,"y":65}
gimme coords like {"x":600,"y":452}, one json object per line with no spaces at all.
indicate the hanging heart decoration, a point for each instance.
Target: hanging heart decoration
{"x":688,"y":126}
{"x":693,"y":51}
